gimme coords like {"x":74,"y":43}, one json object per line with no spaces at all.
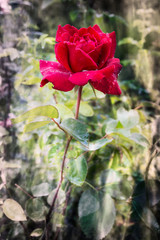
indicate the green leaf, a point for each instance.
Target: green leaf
{"x":52,"y":152}
{"x":46,"y":111}
{"x":128,"y":40}
{"x":12,"y":52}
{"x":140,"y":139}
{"x":76,"y":129}
{"x":13,"y":210}
{"x":97,"y":144}
{"x":122,"y":131}
{"x":32,"y":80}
{"x":40,"y":190}
{"x":34,"y":125}
{"x":111,"y":182}
{"x":111,"y":124}
{"x":76,"y":170}
{"x":60,"y":198}
{"x":97,"y":214}
{"x":50,"y":40}
{"x":115,"y":191}
{"x":10,"y":164}
{"x":37,"y":232}
{"x":73,"y":15}
{"x":140,"y":204}
{"x":109,"y":177}
{"x":153,"y":187}
{"x":116,"y":18}
{"x":35,"y":209}
{"x":150,"y":219}
{"x":114,"y":162}
{"x":89,"y":94}
{"x":86,"y":109}
{"x":129,"y":119}
{"x":127,"y":152}
{"x":57,"y":220}
{"x":88,"y":204}
{"x":64,"y":111}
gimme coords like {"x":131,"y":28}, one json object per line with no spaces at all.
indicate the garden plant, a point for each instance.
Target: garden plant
{"x":80,"y":132}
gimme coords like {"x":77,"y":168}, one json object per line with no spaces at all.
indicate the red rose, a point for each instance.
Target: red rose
{"x":84,"y":55}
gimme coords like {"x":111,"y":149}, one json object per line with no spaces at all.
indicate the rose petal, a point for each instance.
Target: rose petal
{"x":82,"y":78}
{"x":82,"y":31}
{"x":79,"y":60}
{"x":116,"y":63}
{"x":49,"y":66}
{"x":55,"y":73}
{"x":93,"y":32}
{"x":97,"y":28}
{"x":104,"y":80}
{"x":101,"y":53}
{"x":112,"y":35}
{"x":62,"y":55}
{"x":64,"y":33}
{"x":108,"y":84}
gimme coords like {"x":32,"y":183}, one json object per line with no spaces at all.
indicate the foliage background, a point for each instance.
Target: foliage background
{"x":126,"y":170}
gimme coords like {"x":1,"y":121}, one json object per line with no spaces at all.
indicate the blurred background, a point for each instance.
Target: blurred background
{"x":30,"y":162}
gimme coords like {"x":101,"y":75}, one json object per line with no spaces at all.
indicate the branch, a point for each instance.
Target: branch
{"x":48,"y":216}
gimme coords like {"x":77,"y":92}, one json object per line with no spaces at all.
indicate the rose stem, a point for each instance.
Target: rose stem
{"x":48,"y":217}
{"x":78,"y":102}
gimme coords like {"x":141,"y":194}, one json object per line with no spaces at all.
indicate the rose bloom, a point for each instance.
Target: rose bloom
{"x":84,"y":55}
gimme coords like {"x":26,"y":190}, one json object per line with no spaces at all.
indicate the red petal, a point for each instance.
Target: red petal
{"x":82,"y":78}
{"x":112,"y":35}
{"x":93,"y":31}
{"x":108,"y":84}
{"x":97,"y":28}
{"x":79,"y":78}
{"x":61,"y":32}
{"x":101,"y":53}
{"x":49,"y":66}
{"x":79,"y":60}
{"x":82,"y":31}
{"x":55,"y":73}
{"x":62,"y":55}
{"x":116,"y":63}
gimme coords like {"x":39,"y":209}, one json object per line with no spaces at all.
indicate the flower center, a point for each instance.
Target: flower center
{"x":86,"y":42}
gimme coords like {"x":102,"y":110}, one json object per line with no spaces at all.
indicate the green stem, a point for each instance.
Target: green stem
{"x":48,"y":217}
{"x":91,"y":186}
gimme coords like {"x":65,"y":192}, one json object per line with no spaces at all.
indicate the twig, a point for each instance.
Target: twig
{"x":64,"y":209}
{"x":90,"y":157}
{"x":153,"y":155}
{"x":60,"y":182}
{"x":57,"y":234}
{"x":91,"y":186}
{"x":126,"y":221}
{"x":139,"y":107}
{"x":25,"y":230}
{"x":67,"y":199}
{"x":23,"y":191}
{"x":48,"y":216}
{"x":58,"y":125}
{"x":55,"y":98}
